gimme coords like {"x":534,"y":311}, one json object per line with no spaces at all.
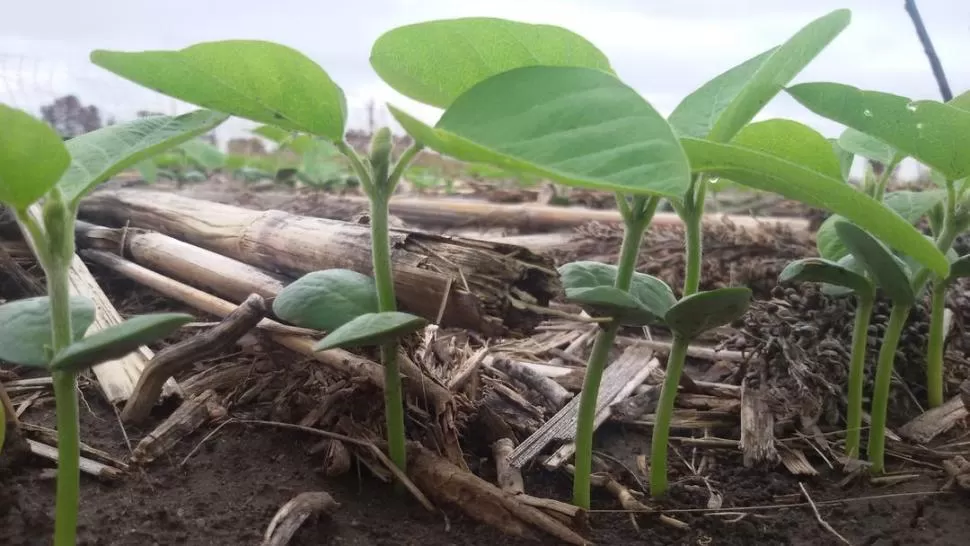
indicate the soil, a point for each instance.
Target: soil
{"x":222,"y":485}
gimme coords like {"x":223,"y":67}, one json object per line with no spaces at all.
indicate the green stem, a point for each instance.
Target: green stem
{"x":641,"y":213}
{"x":402,"y":164}
{"x":883,"y":180}
{"x":880,"y":394}
{"x":358,"y":166}
{"x":934,"y":351}
{"x":694,"y":232}
{"x":386,"y":301}
{"x":857,"y":369}
{"x":665,"y":410}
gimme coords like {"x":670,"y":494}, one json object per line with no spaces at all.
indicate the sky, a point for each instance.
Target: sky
{"x":663,"y":49}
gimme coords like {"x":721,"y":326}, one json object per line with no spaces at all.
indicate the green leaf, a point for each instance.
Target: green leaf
{"x":117,"y":341}
{"x":791,"y":141}
{"x":825,"y":271}
{"x":435,"y":62}
{"x":371,"y":329}
{"x":591,"y":284}
{"x":101,"y":154}
{"x":272,"y":132}
{"x":866,"y":146}
{"x":325,"y":300}
{"x":827,"y":240}
{"x":256,"y":80}
{"x":203,"y":154}
{"x":769,"y":173}
{"x":913,"y":205}
{"x":32,"y":158}
{"x":846,"y":158}
{"x":148,"y":170}
{"x":961,"y":101}
{"x":704,"y":311}
{"x":721,"y":107}
{"x":850,"y":263}
{"x":25,"y":328}
{"x":889,"y":272}
{"x":576,"y":126}
{"x":929,"y":131}
{"x":959,"y":268}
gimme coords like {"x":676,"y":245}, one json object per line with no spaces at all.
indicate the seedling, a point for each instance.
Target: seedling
{"x":43,"y":180}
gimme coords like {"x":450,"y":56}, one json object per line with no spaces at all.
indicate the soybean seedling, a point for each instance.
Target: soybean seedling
{"x":43,"y":180}
{"x":841,"y":275}
{"x":275,"y":85}
{"x":547,"y":121}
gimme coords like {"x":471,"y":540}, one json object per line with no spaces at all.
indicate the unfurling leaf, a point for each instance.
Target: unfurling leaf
{"x":32,"y":158}
{"x":256,"y":80}
{"x":371,"y":329}
{"x":591,"y":285}
{"x":889,"y":272}
{"x":101,"y":154}
{"x":325,"y":300}
{"x":117,"y":341}
{"x":434,"y":62}
{"x":704,"y":311}
{"x":25,"y":328}
{"x":576,"y":126}
{"x":825,"y":271}
{"x":867,"y":146}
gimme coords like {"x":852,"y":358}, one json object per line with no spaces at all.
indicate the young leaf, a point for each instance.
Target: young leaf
{"x":203,"y":154}
{"x":913,"y":205}
{"x":435,"y":62}
{"x":769,"y":173}
{"x":25,"y":328}
{"x":148,"y":170}
{"x":846,"y":158}
{"x":889,"y":272}
{"x":827,"y":240}
{"x":576,"y":126}
{"x":32,"y":158}
{"x":592,"y":283}
{"x":866,"y":146}
{"x":255,"y":80}
{"x":117,"y":341}
{"x":371,"y":329}
{"x":959,"y":268}
{"x":721,"y":107}
{"x":825,"y":271}
{"x":325,"y":300}
{"x":272,"y":132}
{"x":101,"y":154}
{"x":850,"y":263}
{"x":704,"y":311}
{"x":793,"y":142}
{"x":926,"y":130}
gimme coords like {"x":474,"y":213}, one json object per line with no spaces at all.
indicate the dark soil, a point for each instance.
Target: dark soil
{"x":228,"y":489}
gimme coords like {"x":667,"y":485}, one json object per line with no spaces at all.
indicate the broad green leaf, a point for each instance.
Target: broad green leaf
{"x":846,"y":158}
{"x":32,"y":158}
{"x":591,"y":284}
{"x":791,"y":141}
{"x":25,"y":328}
{"x":272,"y":132}
{"x":203,"y":154}
{"x":256,"y":80}
{"x":101,"y":154}
{"x":721,"y":107}
{"x":117,"y":341}
{"x":913,"y":205}
{"x":325,"y":300}
{"x":371,"y":329}
{"x":959,"y":268}
{"x":704,"y":311}
{"x":769,"y":173}
{"x":961,"y":101}
{"x":576,"y":126}
{"x":148,"y":170}
{"x":827,"y":240}
{"x":435,"y":62}
{"x":889,"y":272}
{"x":851,"y":264}
{"x":825,"y":271}
{"x":866,"y":146}
{"x":929,"y":131}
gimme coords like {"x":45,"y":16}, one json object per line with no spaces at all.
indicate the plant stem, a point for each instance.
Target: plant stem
{"x":880,"y":394}
{"x":665,"y":410}
{"x":402,"y":164}
{"x":883,"y":180}
{"x":934,"y":350}
{"x":857,"y":369}
{"x":641,"y":213}
{"x":694,"y":239}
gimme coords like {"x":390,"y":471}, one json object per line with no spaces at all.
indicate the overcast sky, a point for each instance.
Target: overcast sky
{"x":663,"y":48}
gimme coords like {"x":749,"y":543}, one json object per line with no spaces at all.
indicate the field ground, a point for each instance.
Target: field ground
{"x":224,"y":482}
